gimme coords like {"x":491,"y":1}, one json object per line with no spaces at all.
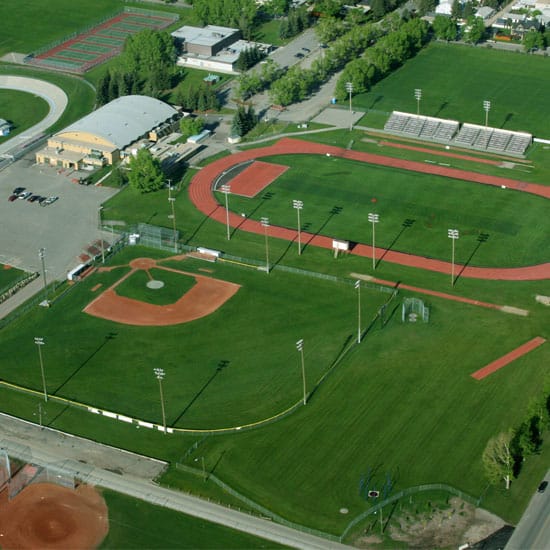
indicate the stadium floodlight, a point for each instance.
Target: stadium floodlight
{"x":486,"y":108}
{"x":373,"y":218}
{"x":172,"y":200}
{"x":453,"y":234}
{"x":42,"y":256}
{"x":265,"y":224}
{"x":159,"y":373}
{"x":349,"y":89}
{"x":39,"y":343}
{"x":226,"y":189}
{"x":418,"y":97}
{"x":358,"y":288}
{"x":298,"y":205}
{"x":300,"y":348}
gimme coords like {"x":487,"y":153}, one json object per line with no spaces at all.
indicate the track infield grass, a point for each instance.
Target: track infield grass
{"x":455,"y":80}
{"x":402,"y":402}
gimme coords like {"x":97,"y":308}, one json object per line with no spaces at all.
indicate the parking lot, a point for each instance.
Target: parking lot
{"x":63,"y":228}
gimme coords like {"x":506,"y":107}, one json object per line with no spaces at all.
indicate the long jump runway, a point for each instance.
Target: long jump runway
{"x":201,"y":194}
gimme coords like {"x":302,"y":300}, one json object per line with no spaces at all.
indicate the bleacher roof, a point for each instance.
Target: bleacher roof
{"x":123,"y":120}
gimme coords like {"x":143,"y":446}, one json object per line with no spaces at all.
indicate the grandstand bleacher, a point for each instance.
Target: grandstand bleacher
{"x":471,"y":136}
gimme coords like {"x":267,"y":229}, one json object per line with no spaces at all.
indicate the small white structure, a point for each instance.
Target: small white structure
{"x":5,"y":127}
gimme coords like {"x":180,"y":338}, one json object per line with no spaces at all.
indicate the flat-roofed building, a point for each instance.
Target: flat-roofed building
{"x":207,"y":40}
{"x":98,"y":138}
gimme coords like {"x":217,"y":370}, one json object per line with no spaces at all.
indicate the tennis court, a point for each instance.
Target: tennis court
{"x":89,"y":48}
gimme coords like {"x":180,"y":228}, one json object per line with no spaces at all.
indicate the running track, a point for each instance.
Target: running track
{"x":200,"y":192}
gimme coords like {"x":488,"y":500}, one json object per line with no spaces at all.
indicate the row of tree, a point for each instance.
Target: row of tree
{"x":505,"y":453}
{"x":243,"y":121}
{"x":253,"y":83}
{"x":241,"y":14}
{"x":201,"y":97}
{"x":298,"y":20}
{"x":248,"y":58}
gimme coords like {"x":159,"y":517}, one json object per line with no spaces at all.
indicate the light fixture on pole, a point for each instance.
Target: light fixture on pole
{"x":265,"y":224}
{"x":226,"y":189}
{"x":298,"y":205}
{"x":453,"y":235}
{"x":40,"y":342}
{"x":172,"y":200}
{"x":42,"y":255}
{"x":358,"y":288}
{"x":486,"y":108}
{"x":349,"y":89}
{"x":169,"y":189}
{"x":300,"y":348}
{"x":100,"y":235}
{"x":159,"y":373}
{"x":373,"y":218}
{"x":418,"y":97}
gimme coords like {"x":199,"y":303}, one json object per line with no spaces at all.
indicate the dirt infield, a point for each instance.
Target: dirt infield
{"x":508,"y":358}
{"x":255,"y":178}
{"x":200,"y":193}
{"x":46,"y":516}
{"x":204,"y":298}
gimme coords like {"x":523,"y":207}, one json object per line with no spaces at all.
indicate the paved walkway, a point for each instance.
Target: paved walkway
{"x":132,"y":475}
{"x":54,"y":96}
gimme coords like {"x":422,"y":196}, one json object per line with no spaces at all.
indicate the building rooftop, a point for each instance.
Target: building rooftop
{"x":123,"y":120}
{"x":206,"y":36}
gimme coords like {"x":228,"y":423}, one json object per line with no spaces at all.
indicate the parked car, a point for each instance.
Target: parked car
{"x":25,"y":195}
{"x":41,"y":200}
{"x":13,"y":197}
{"x":307,"y":50}
{"x":18,"y":190}
{"x":542,"y":487}
{"x":49,"y":200}
{"x":299,"y":55}
{"x":33,"y":198}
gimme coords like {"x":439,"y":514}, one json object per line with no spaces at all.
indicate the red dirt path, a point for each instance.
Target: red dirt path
{"x":508,"y":358}
{"x":205,"y":297}
{"x":256,"y":177}
{"x":45,"y":516}
{"x":200,"y":192}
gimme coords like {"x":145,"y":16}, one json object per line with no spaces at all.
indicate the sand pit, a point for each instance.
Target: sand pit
{"x":48,"y":516}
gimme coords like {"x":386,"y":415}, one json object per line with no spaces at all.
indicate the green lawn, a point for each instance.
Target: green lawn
{"x":455,"y":80}
{"x":8,"y":275}
{"x":137,"y":524}
{"x":22,"y":110}
{"x":415,"y":210}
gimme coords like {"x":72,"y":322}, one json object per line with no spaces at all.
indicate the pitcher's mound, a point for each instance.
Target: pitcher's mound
{"x":155,"y":285}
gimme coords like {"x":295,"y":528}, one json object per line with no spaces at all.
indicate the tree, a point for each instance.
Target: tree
{"x":426,"y":6}
{"x":102,"y":88}
{"x":329,"y":8}
{"x":276,"y":7}
{"x":190,"y":126}
{"x":456,"y":10}
{"x":444,"y":28}
{"x":533,"y":40}
{"x":497,"y":458}
{"x":145,"y":173}
{"x":475,"y":29}
{"x":329,"y":28}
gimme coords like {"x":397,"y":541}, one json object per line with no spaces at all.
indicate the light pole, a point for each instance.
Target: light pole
{"x":265,"y":224}
{"x":172,"y":200}
{"x":100,"y":235}
{"x":42,"y":255}
{"x":486,"y":108}
{"x":358,"y":288}
{"x":298,"y":205}
{"x":418,"y":97}
{"x":159,"y":373}
{"x":453,"y":235}
{"x":226,"y":189}
{"x":349,"y":89}
{"x":300,"y":348}
{"x":373,"y":218}
{"x":40,"y":342}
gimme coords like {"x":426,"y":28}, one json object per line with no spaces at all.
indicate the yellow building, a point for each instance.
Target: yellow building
{"x":98,"y":138}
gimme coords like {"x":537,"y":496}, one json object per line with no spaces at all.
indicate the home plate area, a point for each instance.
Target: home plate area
{"x":203,"y":298}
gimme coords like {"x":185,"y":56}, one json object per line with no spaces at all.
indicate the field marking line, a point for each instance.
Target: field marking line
{"x":508,"y":358}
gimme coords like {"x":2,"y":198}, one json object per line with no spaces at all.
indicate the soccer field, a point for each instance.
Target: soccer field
{"x":415,"y":210}
{"x":455,"y":80}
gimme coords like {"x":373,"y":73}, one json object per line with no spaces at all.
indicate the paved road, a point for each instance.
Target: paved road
{"x":533,"y":531}
{"x":131,"y":475}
